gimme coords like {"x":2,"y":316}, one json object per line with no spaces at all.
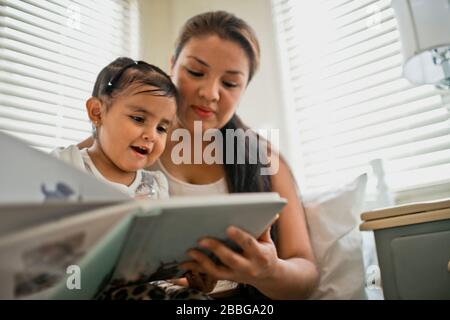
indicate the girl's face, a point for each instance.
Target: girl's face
{"x":211,"y":75}
{"x":133,"y":130}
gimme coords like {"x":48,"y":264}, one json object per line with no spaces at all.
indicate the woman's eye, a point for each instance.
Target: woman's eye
{"x":195,"y":73}
{"x":162,"y":129}
{"x":230,"y":84}
{"x":137,"y":119}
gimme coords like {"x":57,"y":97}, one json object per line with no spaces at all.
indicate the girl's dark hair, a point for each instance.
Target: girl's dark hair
{"x":226,"y":26}
{"x":124,"y":72}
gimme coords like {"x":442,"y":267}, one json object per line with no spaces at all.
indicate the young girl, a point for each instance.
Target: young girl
{"x":132,"y":106}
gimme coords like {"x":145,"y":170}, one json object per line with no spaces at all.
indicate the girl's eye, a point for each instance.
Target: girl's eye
{"x":137,"y":119}
{"x":162,"y":129}
{"x":230,"y":84}
{"x":195,"y":73}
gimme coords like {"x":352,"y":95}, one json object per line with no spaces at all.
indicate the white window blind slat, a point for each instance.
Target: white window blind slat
{"x":361,"y":15}
{"x":40,"y":142}
{"x":392,"y":133}
{"x":382,"y":103}
{"x":40,"y":117}
{"x":426,"y":160}
{"x":120,"y":8}
{"x":344,"y":43}
{"x":39,"y":95}
{"x":420,"y":161}
{"x":39,"y":129}
{"x":76,"y":39}
{"x":372,"y":126}
{"x":51,"y":87}
{"x":355,"y":74}
{"x":53,"y":62}
{"x":350,"y":7}
{"x":345,"y":29}
{"x":59,"y":15}
{"x":50,"y":55}
{"x":55,"y":77}
{"x":396,"y":152}
{"x":42,"y":107}
{"x":333,"y":4}
{"x":320,"y":171}
{"x":359,"y":97}
{"x":59,"y":46}
{"x":351,"y":105}
{"x":419,"y":104}
{"x":329,"y":72}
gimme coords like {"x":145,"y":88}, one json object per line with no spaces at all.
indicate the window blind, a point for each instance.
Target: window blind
{"x":349,"y":101}
{"x":50,"y":54}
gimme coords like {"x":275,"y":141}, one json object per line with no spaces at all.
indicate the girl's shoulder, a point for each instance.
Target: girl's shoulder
{"x":71,"y":155}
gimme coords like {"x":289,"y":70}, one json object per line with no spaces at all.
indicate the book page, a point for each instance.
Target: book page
{"x":17,"y":217}
{"x":34,"y":261}
{"x":157,"y":244}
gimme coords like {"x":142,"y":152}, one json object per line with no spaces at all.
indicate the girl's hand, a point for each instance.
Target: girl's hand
{"x":256,"y":263}
{"x":200,"y":281}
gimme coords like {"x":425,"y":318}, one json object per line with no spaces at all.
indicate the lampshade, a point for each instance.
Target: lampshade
{"x":424,"y":27}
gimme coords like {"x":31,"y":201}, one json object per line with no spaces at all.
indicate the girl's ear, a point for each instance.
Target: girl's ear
{"x":94,"y":107}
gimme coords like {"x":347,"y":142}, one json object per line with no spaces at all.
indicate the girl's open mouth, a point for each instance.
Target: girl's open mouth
{"x":141,"y":150}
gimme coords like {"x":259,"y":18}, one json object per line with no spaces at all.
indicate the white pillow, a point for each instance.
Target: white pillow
{"x":333,"y":221}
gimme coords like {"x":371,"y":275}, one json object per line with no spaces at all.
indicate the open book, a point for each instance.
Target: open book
{"x":66,"y":235}
{"x":73,"y":248}
{"x":136,"y":241}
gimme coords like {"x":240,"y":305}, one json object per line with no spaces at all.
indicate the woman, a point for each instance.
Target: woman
{"x":215,"y":58}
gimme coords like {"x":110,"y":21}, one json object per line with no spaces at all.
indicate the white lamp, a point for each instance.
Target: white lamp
{"x":424,"y":27}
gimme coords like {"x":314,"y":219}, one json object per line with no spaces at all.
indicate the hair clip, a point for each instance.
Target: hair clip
{"x":110,"y":85}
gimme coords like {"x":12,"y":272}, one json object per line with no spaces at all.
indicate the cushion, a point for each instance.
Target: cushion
{"x":333,"y":219}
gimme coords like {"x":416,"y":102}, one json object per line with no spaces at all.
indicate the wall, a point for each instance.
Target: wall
{"x":261,"y":107}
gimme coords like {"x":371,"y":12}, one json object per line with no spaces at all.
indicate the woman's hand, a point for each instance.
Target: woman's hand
{"x":256,"y":263}
{"x":200,"y":281}
{"x":196,"y":280}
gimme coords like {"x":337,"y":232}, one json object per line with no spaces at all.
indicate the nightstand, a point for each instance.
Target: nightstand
{"x":413,"y":248}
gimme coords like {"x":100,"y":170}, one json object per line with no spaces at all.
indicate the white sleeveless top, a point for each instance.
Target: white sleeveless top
{"x":144,"y":180}
{"x":181,"y":188}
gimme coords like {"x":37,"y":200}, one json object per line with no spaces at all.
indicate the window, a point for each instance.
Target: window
{"x":50,"y":54}
{"x":349,"y":101}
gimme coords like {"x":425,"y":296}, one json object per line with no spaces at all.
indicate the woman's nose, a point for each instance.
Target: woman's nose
{"x":210,"y":91}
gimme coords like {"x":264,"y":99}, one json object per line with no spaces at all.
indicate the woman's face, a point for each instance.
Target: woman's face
{"x":211,"y":74}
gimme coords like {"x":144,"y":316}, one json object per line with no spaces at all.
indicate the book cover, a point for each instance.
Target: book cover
{"x":138,"y":241}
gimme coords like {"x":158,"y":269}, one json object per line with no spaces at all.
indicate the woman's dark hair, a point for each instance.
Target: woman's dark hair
{"x":226,"y":26}
{"x":124,"y":72}
{"x":246,"y":177}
